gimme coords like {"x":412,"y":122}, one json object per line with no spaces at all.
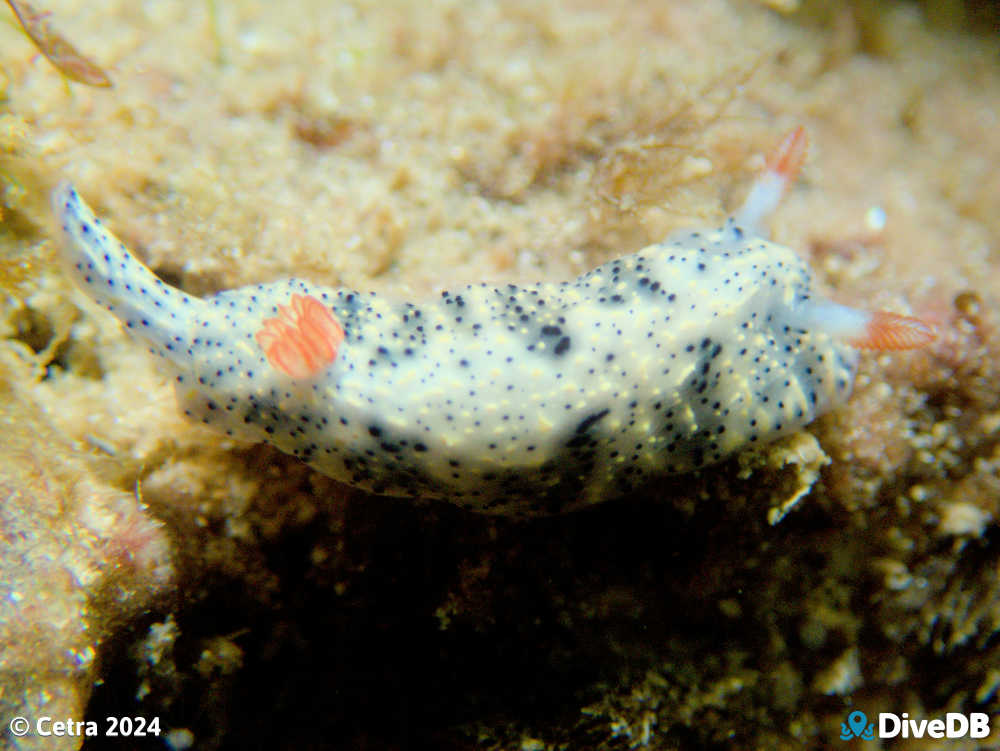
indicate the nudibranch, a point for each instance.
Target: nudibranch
{"x":517,"y":399}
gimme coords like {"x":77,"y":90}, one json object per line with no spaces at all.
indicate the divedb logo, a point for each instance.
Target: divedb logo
{"x":890,"y":725}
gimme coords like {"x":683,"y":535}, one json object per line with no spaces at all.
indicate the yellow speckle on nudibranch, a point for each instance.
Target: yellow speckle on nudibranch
{"x":512,"y":398}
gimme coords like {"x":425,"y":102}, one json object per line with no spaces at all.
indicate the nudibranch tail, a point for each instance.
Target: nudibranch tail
{"x":783,"y":166}
{"x":302,"y":339}
{"x":150,"y":309}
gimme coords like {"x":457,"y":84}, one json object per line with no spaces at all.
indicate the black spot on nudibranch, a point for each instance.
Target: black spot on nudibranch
{"x":588,"y":422}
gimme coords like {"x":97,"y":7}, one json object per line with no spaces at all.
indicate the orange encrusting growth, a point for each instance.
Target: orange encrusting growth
{"x":891,"y":331}
{"x":302,"y":339}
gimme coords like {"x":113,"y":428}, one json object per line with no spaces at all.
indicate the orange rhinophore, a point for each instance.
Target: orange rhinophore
{"x":783,"y":165}
{"x":302,"y":339}
{"x":787,"y":159}
{"x":57,"y":50}
{"x":891,"y":331}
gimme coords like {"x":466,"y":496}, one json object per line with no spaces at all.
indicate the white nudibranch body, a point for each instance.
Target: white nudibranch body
{"x":515,"y":399}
